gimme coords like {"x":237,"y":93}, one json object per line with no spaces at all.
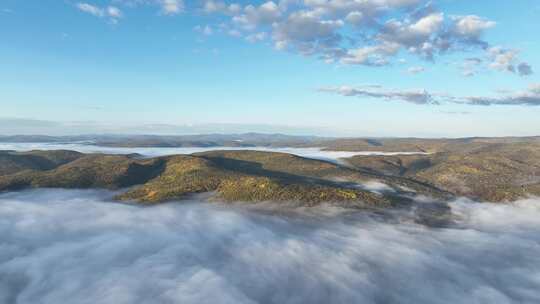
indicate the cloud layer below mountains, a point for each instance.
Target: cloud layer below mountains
{"x":77,"y":246}
{"x":313,"y":153}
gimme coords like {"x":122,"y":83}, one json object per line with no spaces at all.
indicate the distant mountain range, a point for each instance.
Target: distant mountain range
{"x":271,"y":140}
{"x":203,"y":140}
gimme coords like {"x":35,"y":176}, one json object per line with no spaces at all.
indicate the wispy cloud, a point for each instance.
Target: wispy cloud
{"x":416,"y":96}
{"x":172,"y":7}
{"x":455,"y":112}
{"x":416,"y":70}
{"x":527,"y":97}
{"x":167,"y":7}
{"x":205,"y":30}
{"x":112,"y":13}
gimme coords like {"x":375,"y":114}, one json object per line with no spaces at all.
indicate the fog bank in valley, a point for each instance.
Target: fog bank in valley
{"x":314,"y":153}
{"x":76,"y":246}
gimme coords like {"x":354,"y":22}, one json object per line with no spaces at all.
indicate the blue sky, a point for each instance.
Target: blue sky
{"x":136,"y":62}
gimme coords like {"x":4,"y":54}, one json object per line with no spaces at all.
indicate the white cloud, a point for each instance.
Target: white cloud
{"x":528,"y":97}
{"x":416,"y":96}
{"x":172,"y":7}
{"x":428,"y":25}
{"x":367,"y":32}
{"x":472,"y":26}
{"x":63,"y":246}
{"x":306,"y":33}
{"x":91,"y":9}
{"x":167,"y":7}
{"x":213,"y":6}
{"x":503,"y":59}
{"x":371,"y":55}
{"x":535,"y":88}
{"x":357,"y":32}
{"x":113,"y":13}
{"x":256,"y":37}
{"x":255,"y":16}
{"x":355,"y":18}
{"x":468,"y":73}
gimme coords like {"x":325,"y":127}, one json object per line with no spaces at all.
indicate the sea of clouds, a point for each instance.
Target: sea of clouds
{"x":313,"y":153}
{"x":77,"y":246}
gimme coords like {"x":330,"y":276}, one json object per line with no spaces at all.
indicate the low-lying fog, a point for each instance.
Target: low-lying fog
{"x":73,"y":246}
{"x":314,"y":153}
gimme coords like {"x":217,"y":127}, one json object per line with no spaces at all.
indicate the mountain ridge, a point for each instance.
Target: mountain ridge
{"x":484,"y":171}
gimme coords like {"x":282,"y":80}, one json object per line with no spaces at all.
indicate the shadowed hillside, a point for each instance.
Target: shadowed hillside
{"x":489,"y":171}
{"x":483,"y":169}
{"x":11,"y":162}
{"x":174,"y":177}
{"x":86,"y":171}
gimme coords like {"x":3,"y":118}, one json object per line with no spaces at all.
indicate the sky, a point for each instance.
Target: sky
{"x":316,"y":67}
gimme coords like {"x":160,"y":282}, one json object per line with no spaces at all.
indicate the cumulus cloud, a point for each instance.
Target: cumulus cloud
{"x":77,"y":246}
{"x":308,"y":34}
{"x":370,"y":32}
{"x":347,"y":32}
{"x":253,"y":16}
{"x":527,"y":97}
{"x":503,"y":59}
{"x":472,"y":26}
